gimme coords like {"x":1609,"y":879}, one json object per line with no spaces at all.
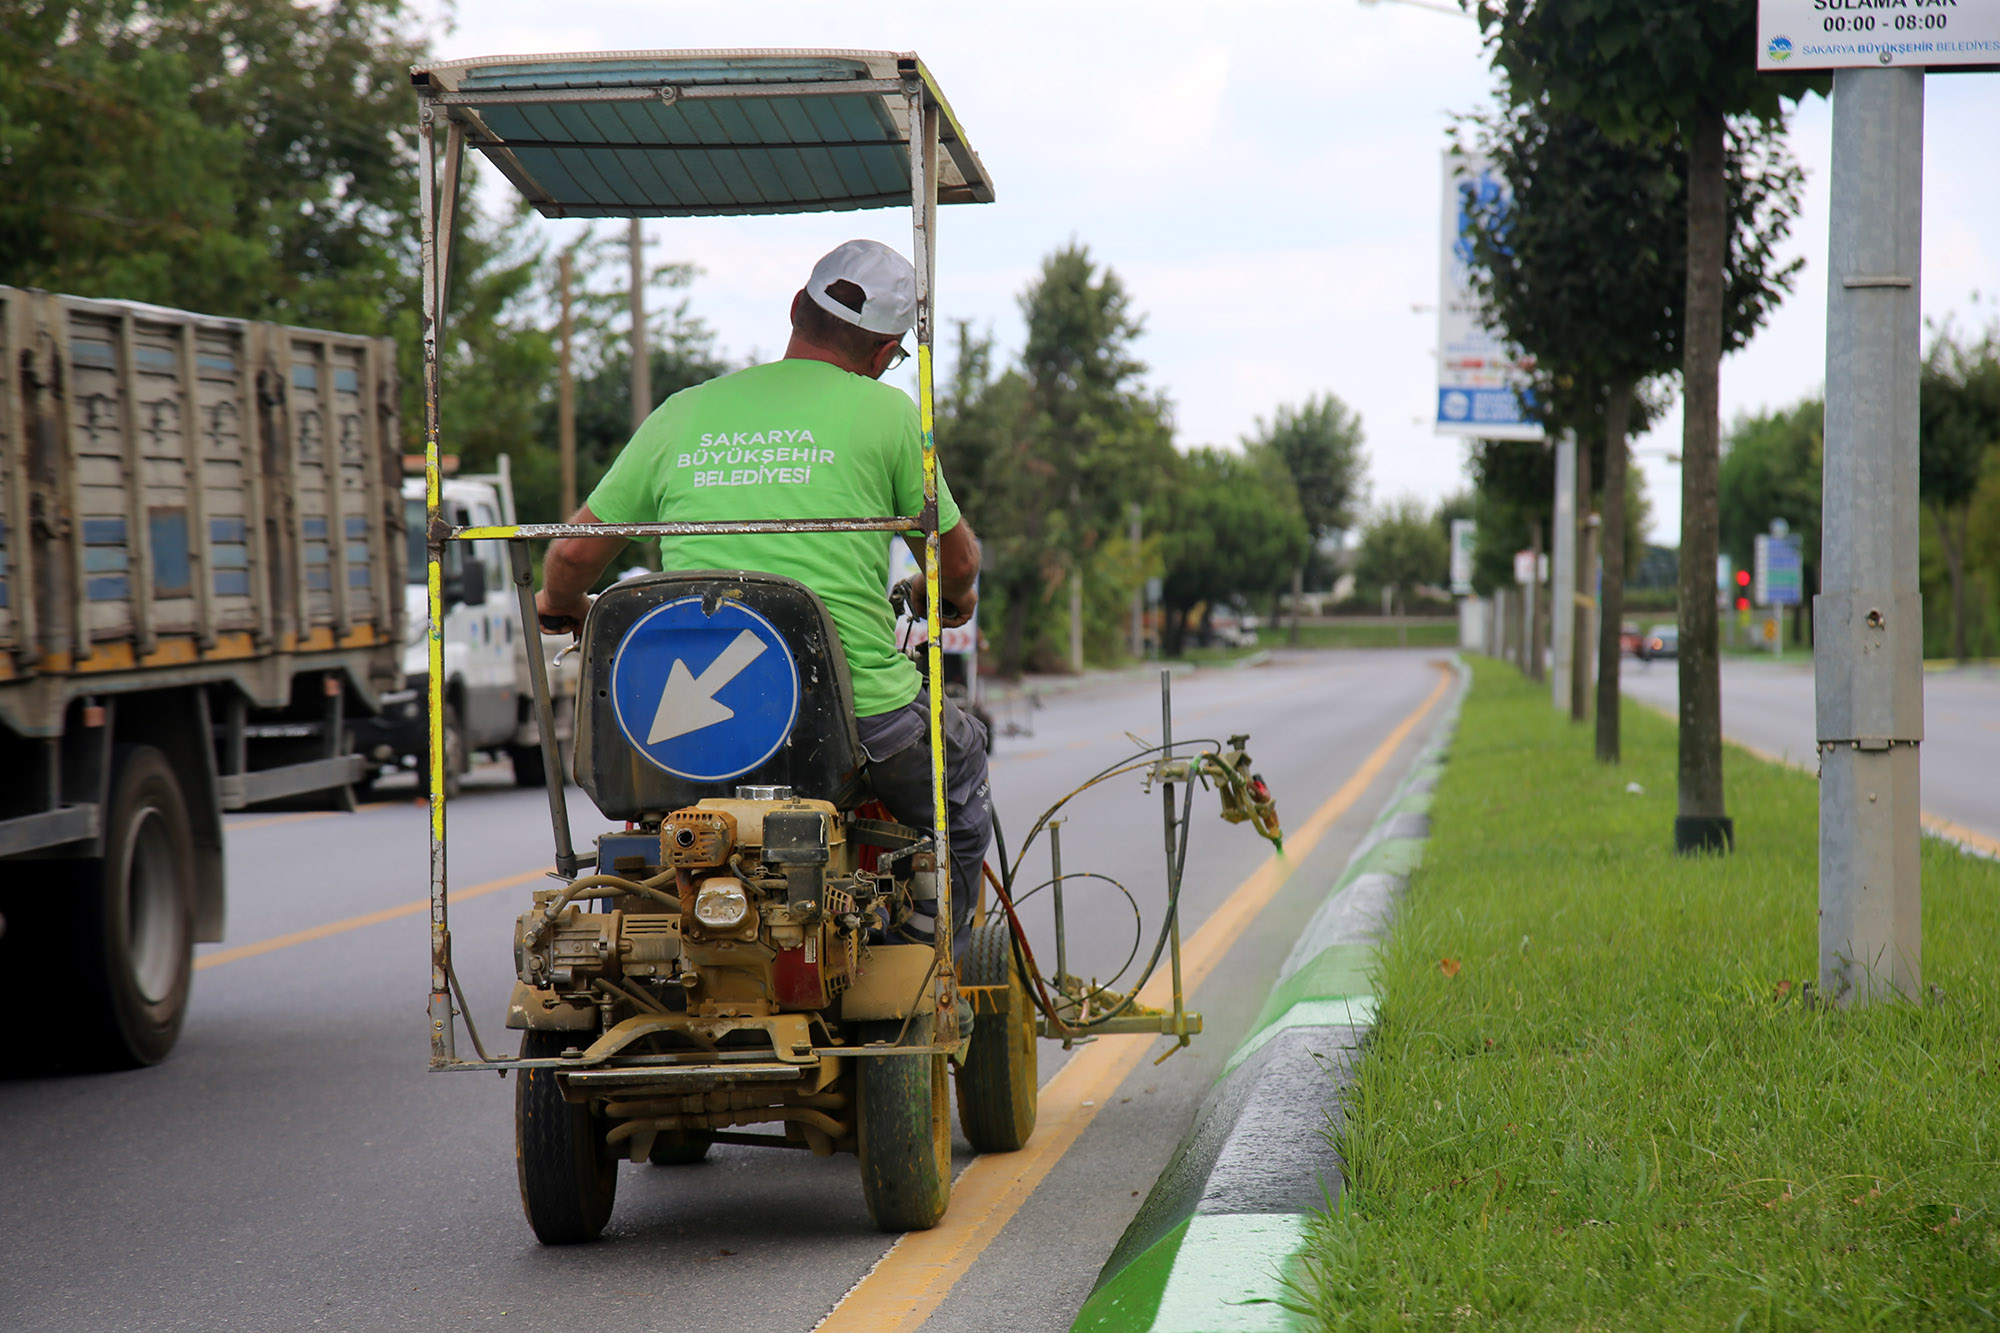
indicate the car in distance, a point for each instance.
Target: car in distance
{"x":1660,"y":641}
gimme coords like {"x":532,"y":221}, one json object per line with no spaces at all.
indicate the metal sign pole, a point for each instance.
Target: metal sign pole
{"x":1564,"y":533}
{"x":434,"y":278}
{"x":1868,"y":653}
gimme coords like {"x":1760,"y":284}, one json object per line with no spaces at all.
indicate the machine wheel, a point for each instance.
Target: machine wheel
{"x":131,"y":920}
{"x":691,"y":1149}
{"x":568,"y":1173}
{"x":527,"y":762}
{"x":905,"y":1134}
{"x":997,"y":1084}
{"x":457,"y":762}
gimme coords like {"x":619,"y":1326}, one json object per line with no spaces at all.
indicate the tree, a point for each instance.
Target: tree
{"x":1231,"y":523}
{"x":1582,"y":264}
{"x":1070,"y":440}
{"x":1653,"y":72}
{"x":1319,"y":448}
{"x":1958,"y":429}
{"x":1401,"y":549}
{"x":1771,"y":469}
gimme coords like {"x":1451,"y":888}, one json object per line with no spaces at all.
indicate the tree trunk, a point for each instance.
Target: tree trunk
{"x":1173,"y":629}
{"x":1014,"y":635}
{"x":1298,"y":596}
{"x":1579,"y":604}
{"x":1611,"y":606}
{"x":1703,"y":823}
{"x":1953,"y":546}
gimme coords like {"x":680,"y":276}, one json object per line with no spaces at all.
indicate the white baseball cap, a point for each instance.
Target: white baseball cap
{"x":887,"y":281}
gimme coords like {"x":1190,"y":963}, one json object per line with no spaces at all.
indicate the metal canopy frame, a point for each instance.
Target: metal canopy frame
{"x":470,"y":100}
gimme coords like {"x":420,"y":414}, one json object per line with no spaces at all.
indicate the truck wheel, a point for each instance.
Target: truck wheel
{"x":457,"y":761}
{"x":527,"y":761}
{"x":131,"y":920}
{"x":692,"y":1147}
{"x":568,"y":1173}
{"x":905,"y":1135}
{"x":997,"y":1084}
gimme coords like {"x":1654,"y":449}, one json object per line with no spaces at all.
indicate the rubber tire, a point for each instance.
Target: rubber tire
{"x":997,"y":1083}
{"x":568,"y":1173}
{"x":904,"y":1134}
{"x":527,"y":762}
{"x":146,"y":821}
{"x":685,"y":1153}
{"x":457,"y":761}
{"x":125,"y":1022}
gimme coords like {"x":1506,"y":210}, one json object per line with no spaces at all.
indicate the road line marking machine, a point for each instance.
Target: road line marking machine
{"x":727,"y":958}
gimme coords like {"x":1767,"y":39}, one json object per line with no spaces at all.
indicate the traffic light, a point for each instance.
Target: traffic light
{"x":1743,"y":604}
{"x":1743,"y":580}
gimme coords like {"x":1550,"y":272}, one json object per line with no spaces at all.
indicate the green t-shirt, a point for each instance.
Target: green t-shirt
{"x":791,"y":439}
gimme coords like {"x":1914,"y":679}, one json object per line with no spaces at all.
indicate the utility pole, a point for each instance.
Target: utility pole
{"x":566,"y":393}
{"x":1076,"y":620}
{"x":642,"y":366}
{"x":1564,"y":570}
{"x":1868,"y":645}
{"x":1579,"y":595}
{"x":1139,"y":587}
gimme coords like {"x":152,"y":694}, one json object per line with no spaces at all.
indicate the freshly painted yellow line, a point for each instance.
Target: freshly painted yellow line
{"x":311,"y":933}
{"x":910,"y":1281}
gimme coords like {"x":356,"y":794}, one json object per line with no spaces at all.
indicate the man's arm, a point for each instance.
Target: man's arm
{"x":958,"y":573}
{"x":568,"y":570}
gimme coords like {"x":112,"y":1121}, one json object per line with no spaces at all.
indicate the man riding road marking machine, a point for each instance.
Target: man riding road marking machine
{"x":739,"y":953}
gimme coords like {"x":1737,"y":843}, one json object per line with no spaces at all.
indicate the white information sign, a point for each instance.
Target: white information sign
{"x":1464,"y":537}
{"x":1478,"y":375}
{"x":1851,"y":34}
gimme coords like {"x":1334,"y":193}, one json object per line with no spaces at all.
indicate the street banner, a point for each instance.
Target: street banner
{"x":1478,"y":375}
{"x":1856,"y":34}
{"x":1464,"y":533}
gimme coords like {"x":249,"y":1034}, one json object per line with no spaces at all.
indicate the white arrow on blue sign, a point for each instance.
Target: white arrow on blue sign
{"x":704,"y":697}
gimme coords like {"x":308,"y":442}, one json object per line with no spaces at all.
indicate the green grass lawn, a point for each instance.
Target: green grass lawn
{"x":1595,"y":1099}
{"x":1431,"y":635}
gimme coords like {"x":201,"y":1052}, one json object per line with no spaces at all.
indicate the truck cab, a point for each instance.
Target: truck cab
{"x":488,"y":699}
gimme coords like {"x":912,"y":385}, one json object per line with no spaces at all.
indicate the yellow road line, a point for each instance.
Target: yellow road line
{"x":910,"y":1281}
{"x":1938,"y":825}
{"x":311,"y":933}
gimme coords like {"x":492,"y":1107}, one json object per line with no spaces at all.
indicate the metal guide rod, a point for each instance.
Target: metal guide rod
{"x":923,"y":208}
{"x":1868,"y":644}
{"x":1055,"y":888}
{"x":712,"y":527}
{"x":442,"y":1027}
{"x":545,"y":712}
{"x":1174,"y":850}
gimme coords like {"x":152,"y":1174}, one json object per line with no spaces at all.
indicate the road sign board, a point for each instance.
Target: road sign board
{"x":1780,"y":570}
{"x":705,"y":697}
{"x":1479,"y":377}
{"x":1859,"y":34}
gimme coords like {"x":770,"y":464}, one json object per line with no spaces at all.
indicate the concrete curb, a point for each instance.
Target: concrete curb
{"x":1211,"y":1249}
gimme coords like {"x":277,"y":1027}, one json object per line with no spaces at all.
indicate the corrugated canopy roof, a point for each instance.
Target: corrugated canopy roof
{"x":692,"y":133}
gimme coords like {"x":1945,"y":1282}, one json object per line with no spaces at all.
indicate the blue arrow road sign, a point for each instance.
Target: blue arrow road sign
{"x":704,"y":697}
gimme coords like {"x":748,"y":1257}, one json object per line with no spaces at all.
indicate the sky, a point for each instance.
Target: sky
{"x":1262,"y":175}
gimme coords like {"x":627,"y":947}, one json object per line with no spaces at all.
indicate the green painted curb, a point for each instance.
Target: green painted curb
{"x":1211,"y":1274}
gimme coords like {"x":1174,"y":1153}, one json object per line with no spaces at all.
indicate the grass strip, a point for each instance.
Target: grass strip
{"x":1595,"y":1099}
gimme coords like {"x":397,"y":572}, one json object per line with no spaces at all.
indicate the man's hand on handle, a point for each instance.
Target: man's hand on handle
{"x":952,"y":611}
{"x":561,"y":615}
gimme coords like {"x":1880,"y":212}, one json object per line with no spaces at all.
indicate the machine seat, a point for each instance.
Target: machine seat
{"x":698,"y":682}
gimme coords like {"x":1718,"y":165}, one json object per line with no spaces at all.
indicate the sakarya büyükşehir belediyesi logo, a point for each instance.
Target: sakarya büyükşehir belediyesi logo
{"x":1780,"y":49}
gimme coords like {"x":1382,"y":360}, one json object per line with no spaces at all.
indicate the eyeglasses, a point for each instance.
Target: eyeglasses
{"x":897,"y":357}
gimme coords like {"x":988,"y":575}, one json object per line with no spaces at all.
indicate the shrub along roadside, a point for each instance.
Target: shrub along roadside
{"x":1595,"y":1098}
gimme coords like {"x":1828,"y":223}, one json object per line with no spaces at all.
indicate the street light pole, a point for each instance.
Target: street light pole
{"x":1868,"y":649}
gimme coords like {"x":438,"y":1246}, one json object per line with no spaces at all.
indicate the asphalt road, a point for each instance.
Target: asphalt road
{"x":1770,"y":705}
{"x":294,"y":1165}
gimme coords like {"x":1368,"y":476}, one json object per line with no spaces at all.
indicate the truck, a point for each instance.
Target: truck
{"x":489,"y":702}
{"x":203,"y":546}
